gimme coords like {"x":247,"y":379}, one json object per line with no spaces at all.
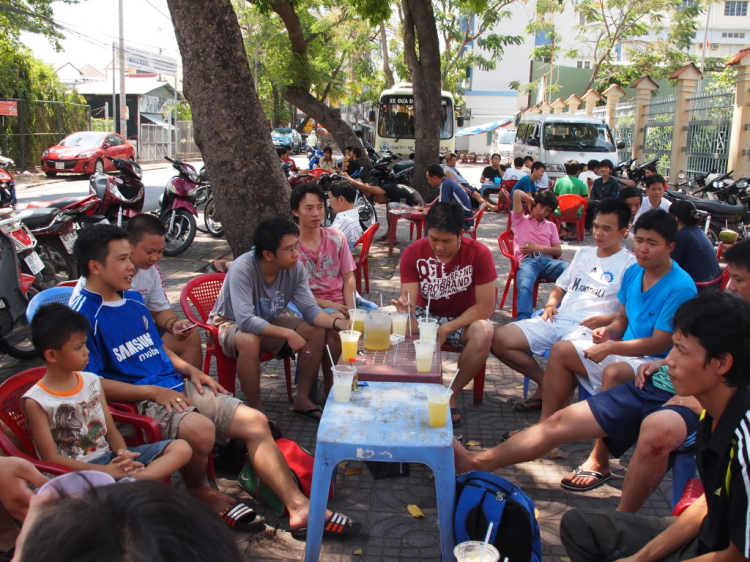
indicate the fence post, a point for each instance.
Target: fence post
{"x":534,"y":110}
{"x":643,"y":87}
{"x":545,"y":107}
{"x":591,"y":97}
{"x":739,"y":142}
{"x":573,"y":102}
{"x":687,"y":80}
{"x":613,"y":94}
{"x":558,"y":105}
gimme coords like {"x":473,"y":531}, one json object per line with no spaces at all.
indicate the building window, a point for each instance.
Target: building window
{"x":579,"y":64}
{"x":735,"y":8}
{"x":732,"y":35}
{"x":685,"y":3}
{"x":583,"y":64}
{"x":582,"y":19}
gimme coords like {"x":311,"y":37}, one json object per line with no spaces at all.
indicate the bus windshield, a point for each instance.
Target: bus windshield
{"x":396,"y":117}
{"x":591,"y":137}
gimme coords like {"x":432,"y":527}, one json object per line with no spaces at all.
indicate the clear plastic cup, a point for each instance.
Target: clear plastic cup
{"x":357,"y":319}
{"x":424,"y":350}
{"x":343,"y":375}
{"x":75,"y":484}
{"x":428,"y":329}
{"x":475,"y":551}
{"x":438,"y":405}
{"x":349,"y":342}
{"x":377,"y":335}
{"x":400,"y":320}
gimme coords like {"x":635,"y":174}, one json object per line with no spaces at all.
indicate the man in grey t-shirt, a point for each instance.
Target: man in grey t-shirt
{"x":249,"y":309}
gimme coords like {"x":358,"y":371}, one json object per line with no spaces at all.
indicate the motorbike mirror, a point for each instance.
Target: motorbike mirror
{"x":460,"y":122}
{"x":681,"y":176}
{"x":620,"y":145}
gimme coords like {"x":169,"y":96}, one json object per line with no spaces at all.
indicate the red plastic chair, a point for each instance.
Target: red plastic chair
{"x":11,"y":391}
{"x":362,"y":263}
{"x":505,"y":241}
{"x":721,"y":281}
{"x":202,"y":292}
{"x":476,"y":217}
{"x":479,"y":378}
{"x":72,"y":283}
{"x":570,"y":205}
{"x":412,"y":223}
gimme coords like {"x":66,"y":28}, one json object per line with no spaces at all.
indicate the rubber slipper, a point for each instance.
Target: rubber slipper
{"x":598,"y":477}
{"x":308,"y":414}
{"x":530,"y":405}
{"x":460,"y":421}
{"x":242,"y":518}
{"x":338,"y":525}
{"x":508,"y":434}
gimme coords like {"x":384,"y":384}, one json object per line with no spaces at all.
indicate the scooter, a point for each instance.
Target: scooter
{"x":720,"y":215}
{"x":29,"y":262}
{"x":177,"y":208}
{"x":15,"y":290}
{"x":7,"y":184}
{"x":121,"y":195}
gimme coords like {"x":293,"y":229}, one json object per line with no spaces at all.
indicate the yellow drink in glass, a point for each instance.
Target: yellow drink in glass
{"x":349,"y":342}
{"x":438,"y":413}
{"x":424,"y":364}
{"x":357,"y":319}
{"x":399,"y":323}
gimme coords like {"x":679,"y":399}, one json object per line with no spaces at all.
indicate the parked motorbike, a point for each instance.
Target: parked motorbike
{"x":368,"y":215}
{"x":121,"y":195}
{"x":15,"y":290}
{"x":177,"y":208}
{"x":24,"y":243}
{"x":7,"y":184}
{"x":720,"y":215}
{"x":389,"y":168}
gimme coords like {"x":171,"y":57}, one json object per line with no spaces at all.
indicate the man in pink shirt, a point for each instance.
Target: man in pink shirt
{"x":536,"y":244}
{"x":328,"y":261}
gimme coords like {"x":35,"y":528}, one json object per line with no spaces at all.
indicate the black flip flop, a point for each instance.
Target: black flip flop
{"x":338,"y":525}
{"x":530,"y":405}
{"x":598,"y":477}
{"x":243,"y":519}
{"x":308,"y":414}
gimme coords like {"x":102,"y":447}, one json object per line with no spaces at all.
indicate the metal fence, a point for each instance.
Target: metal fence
{"x":39,"y":125}
{"x":186,"y":147}
{"x":154,"y":143}
{"x":624,"y":122}
{"x":658,"y":132}
{"x":709,"y":131}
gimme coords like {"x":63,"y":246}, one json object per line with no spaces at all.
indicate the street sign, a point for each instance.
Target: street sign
{"x":9,"y":108}
{"x":150,"y":62}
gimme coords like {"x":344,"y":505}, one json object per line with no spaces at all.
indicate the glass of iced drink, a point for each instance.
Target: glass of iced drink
{"x":424,"y":350}
{"x":357,"y":319}
{"x":428,"y":328}
{"x":343,"y":375}
{"x":399,"y":322}
{"x":438,"y":403}
{"x":349,"y":341}
{"x":476,"y":551}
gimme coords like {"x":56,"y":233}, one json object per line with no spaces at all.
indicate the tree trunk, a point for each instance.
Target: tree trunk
{"x":386,"y":65}
{"x":230,"y":128}
{"x":420,"y":32}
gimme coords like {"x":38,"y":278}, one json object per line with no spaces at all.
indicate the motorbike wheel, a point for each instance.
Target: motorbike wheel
{"x":23,"y":349}
{"x":59,"y":265}
{"x":713,"y":234}
{"x":201,"y":195}
{"x":180,"y":234}
{"x":368,"y":215}
{"x":213,"y":225}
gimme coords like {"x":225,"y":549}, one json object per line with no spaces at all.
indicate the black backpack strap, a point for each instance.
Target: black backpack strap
{"x":493,"y":507}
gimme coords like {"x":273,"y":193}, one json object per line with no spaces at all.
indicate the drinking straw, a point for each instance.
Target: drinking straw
{"x":486,"y":541}
{"x":354,"y":294}
{"x":333,"y":363}
{"x":408,"y":311}
{"x":381,"y":302}
{"x":453,"y":379}
{"x":427,"y":310}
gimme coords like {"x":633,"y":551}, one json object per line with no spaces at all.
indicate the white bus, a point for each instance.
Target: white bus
{"x":394,"y":124}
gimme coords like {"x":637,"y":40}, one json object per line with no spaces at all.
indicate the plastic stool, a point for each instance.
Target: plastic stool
{"x":383,"y":422}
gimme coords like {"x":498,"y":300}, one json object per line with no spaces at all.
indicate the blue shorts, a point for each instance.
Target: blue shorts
{"x":619,"y":412}
{"x":148,"y":453}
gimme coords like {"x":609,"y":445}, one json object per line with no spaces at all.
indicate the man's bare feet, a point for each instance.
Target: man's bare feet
{"x":216,"y":500}
{"x":463,"y":458}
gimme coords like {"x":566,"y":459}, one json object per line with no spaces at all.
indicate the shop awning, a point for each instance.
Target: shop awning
{"x":485,"y":128}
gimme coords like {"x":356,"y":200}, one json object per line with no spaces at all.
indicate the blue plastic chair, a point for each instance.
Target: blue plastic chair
{"x":48,"y":296}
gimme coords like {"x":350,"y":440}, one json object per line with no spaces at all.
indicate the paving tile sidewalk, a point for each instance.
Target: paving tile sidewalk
{"x":390,"y":533}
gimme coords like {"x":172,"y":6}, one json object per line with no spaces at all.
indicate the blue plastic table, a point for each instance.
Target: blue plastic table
{"x":385,"y":421}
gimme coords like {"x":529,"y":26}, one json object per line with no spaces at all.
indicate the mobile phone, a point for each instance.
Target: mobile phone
{"x":188,"y":328}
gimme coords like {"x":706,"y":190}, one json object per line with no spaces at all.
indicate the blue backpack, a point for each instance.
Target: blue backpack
{"x":483,"y":498}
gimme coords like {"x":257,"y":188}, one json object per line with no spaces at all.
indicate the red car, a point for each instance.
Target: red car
{"x":84,"y":152}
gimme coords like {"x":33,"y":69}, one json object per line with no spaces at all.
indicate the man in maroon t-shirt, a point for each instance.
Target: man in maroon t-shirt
{"x":458,"y":275}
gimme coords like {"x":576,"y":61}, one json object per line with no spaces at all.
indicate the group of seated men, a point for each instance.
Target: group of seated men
{"x":607,"y":325}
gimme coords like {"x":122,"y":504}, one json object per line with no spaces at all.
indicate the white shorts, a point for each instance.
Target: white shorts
{"x":542,"y":335}
{"x":593,"y":383}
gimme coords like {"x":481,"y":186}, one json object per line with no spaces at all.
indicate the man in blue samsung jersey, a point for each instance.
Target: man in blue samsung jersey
{"x":126,"y":351}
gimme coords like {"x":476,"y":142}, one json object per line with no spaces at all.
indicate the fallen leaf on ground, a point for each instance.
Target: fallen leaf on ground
{"x":536,"y":513}
{"x":414,"y":510}
{"x":343,"y":464}
{"x":555,"y":454}
{"x":473,"y":443}
{"x":353,"y":470}
{"x":520,"y":386}
{"x":564,"y":559}
{"x":358,"y":552}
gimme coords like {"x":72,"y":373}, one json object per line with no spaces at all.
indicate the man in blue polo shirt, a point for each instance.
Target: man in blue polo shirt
{"x":450,"y":191}
{"x":528,"y":183}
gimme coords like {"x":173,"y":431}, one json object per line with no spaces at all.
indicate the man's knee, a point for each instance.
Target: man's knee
{"x":198,"y":431}
{"x":617,"y":374}
{"x":661,"y":433}
{"x":312,"y":334}
{"x":247,"y":344}
{"x":479,"y":334}
{"x":562,"y":351}
{"x":252,"y":423}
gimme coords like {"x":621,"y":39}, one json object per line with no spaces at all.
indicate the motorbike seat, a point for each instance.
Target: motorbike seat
{"x":716,"y":208}
{"x":37,"y":218}
{"x":403,"y":165}
{"x":100,"y":184}
{"x":64,"y":202}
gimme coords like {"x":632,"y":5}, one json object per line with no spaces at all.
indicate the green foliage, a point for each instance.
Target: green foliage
{"x":34,"y":16}
{"x":184,"y":112}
